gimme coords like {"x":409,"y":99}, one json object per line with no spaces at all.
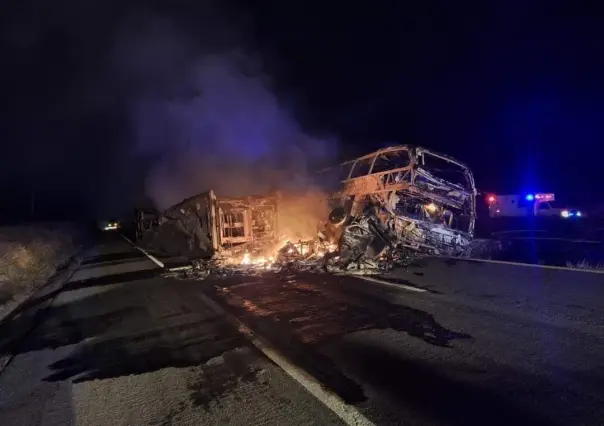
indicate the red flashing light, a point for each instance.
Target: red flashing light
{"x":491,"y":198}
{"x":545,"y":197}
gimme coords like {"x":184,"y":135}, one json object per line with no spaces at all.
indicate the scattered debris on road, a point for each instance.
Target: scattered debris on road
{"x":314,"y":256}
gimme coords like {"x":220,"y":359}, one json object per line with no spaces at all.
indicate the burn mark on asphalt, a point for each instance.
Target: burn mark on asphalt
{"x":118,"y":333}
{"x":315,"y":314}
{"x":300,"y":316}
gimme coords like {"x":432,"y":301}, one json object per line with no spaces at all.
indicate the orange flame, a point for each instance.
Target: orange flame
{"x":268,"y":258}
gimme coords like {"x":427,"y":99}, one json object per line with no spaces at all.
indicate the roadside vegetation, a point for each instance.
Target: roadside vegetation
{"x":30,"y":255}
{"x":586,"y":265}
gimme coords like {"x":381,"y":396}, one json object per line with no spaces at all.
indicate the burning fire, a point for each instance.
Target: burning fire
{"x":248,"y":260}
{"x":302,"y":248}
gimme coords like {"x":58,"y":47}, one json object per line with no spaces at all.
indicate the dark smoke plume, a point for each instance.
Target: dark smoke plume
{"x":209,"y":119}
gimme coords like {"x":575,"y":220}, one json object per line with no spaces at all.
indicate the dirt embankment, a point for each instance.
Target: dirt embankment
{"x":30,"y":255}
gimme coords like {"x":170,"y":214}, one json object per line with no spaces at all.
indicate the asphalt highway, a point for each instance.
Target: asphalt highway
{"x":441,"y":343}
{"x":120,"y":345}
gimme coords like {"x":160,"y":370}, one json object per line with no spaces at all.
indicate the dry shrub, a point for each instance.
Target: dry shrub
{"x":30,"y":255}
{"x":585,"y":265}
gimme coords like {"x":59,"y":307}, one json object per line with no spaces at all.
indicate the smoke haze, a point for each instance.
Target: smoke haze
{"x":301,"y":212}
{"x":208,"y":118}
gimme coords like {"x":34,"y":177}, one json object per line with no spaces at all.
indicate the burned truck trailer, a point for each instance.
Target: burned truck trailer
{"x":426,"y":200}
{"x":205,"y":224}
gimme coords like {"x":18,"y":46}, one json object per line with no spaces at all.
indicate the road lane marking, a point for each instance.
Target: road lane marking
{"x":153,"y":258}
{"x":506,"y":262}
{"x":348,"y":413}
{"x":386,"y":283}
{"x":180,"y":268}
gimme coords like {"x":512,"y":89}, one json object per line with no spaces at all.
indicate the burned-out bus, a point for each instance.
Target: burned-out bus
{"x":430,"y":197}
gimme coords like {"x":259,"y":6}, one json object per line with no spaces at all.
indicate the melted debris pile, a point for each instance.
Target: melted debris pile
{"x":361,"y":245}
{"x":304,"y":256}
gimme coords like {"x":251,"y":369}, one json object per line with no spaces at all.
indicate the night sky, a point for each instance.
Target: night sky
{"x":107,"y":103}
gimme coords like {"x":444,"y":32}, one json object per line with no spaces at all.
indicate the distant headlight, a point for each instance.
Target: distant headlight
{"x":578,"y":214}
{"x":565,"y":213}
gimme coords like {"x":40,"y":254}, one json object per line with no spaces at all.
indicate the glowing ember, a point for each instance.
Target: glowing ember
{"x":247,"y":259}
{"x":287,"y":247}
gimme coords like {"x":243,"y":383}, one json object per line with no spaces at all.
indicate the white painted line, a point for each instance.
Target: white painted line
{"x":386,"y":283}
{"x":348,"y":413}
{"x":505,"y":262}
{"x":153,"y":258}
{"x":180,"y":268}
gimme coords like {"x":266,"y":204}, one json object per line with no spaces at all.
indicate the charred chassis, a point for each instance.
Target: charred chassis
{"x":425,"y":201}
{"x":204,"y":224}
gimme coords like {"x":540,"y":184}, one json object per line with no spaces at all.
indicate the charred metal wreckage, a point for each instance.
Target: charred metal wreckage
{"x":388,"y":207}
{"x":210,"y":225}
{"x":226,"y":235}
{"x":408,"y":198}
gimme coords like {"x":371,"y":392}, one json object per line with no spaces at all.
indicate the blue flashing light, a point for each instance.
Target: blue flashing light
{"x":530,"y":197}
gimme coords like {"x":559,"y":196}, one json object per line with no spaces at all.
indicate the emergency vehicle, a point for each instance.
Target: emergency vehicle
{"x":532,"y":204}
